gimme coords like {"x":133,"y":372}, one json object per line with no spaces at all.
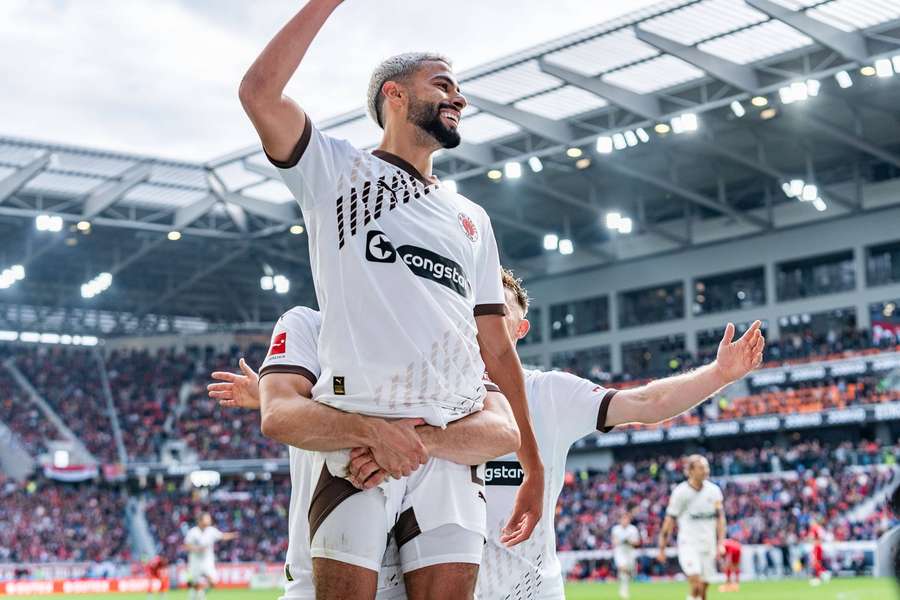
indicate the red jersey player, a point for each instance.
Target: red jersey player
{"x":157,"y":570}
{"x":816,"y":534}
{"x":732,"y":561}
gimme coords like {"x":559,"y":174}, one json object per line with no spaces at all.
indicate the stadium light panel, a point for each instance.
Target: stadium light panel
{"x":604,"y":144}
{"x":642,"y":135}
{"x":689,"y":121}
{"x":512,"y":170}
{"x":810,"y":193}
{"x":83,"y":226}
{"x":574,"y":152}
{"x":625,"y":225}
{"x":613,"y":219}
{"x":867,"y":71}
{"x":759,"y":101}
{"x":677,"y":126}
{"x":551,"y":241}
{"x":566,"y":247}
{"x":820,"y":205}
{"x":297,"y":229}
{"x":800,"y":91}
{"x":535,"y":164}
{"x":812,"y":87}
{"x":32,"y":337}
{"x":49,"y":223}
{"x":495,"y":174}
{"x":8,"y":277}
{"x":786,"y":94}
{"x":786,"y":188}
{"x":896,"y":62}
{"x":662,"y":128}
{"x":619,"y":141}
{"x":843,"y":79}
{"x":630,"y":138}
{"x":282,"y":284}
{"x":583,"y":163}
{"x":796,"y":187}
{"x":9,"y":336}
{"x":96,"y":286}
{"x":738,"y":109}
{"x":174,"y":236}
{"x":266,"y":282}
{"x":883,"y":67}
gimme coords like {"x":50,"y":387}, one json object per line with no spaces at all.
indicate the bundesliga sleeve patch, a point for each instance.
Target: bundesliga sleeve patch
{"x":279,"y":344}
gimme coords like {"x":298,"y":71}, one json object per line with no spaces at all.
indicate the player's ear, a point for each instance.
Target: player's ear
{"x":523,"y":328}
{"x":393,"y":94}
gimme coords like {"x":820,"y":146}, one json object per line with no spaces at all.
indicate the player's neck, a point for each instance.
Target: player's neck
{"x":696,"y":485}
{"x":407,"y":146}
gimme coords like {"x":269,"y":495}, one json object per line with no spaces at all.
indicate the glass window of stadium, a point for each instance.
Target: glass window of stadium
{"x":883,"y":264}
{"x":816,"y":276}
{"x":535,"y":334}
{"x":729,"y":291}
{"x":593,"y":363}
{"x":708,"y":339}
{"x":654,"y":357}
{"x":651,"y":305}
{"x":817,"y":333}
{"x":579,"y":317}
{"x":885,"y":318}
{"x":532,"y":362}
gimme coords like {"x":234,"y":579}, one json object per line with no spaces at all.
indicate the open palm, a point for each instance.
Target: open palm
{"x":236,"y":391}
{"x":737,"y":358}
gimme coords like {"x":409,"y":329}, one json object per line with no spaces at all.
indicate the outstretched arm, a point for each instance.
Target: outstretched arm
{"x":665,"y":398}
{"x":278,"y":119}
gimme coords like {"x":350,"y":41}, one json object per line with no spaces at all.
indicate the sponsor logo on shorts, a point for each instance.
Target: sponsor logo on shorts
{"x":503,"y":472}
{"x":423,"y":263}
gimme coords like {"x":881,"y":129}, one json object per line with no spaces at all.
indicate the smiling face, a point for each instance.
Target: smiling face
{"x":697,"y":469}
{"x":430,"y":100}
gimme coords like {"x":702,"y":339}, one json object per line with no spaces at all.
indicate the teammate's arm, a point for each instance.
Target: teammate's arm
{"x":278,"y":119}
{"x":503,"y":365}
{"x":665,"y":398}
{"x":664,"y":533}
{"x":720,"y":529}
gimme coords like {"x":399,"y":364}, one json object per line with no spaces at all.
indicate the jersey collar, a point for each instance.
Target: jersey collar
{"x":402,"y":164}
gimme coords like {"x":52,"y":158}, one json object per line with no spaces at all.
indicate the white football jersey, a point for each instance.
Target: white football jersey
{"x":401,"y":265}
{"x":295,"y":339}
{"x":696,"y":512}
{"x":625,"y":537}
{"x":206,"y":539}
{"x":564,"y":408}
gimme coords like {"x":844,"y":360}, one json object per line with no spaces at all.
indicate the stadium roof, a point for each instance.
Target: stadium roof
{"x":590,"y":109}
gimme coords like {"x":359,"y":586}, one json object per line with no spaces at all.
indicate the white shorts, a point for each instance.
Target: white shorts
{"x":624,"y":559}
{"x":353,"y":526}
{"x":197,"y":572}
{"x":698,"y":562}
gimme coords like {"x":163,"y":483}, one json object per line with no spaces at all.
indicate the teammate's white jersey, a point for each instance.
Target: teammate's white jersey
{"x":697,"y":513}
{"x":564,"y":409}
{"x":626,"y":538}
{"x":206,"y":539}
{"x":401,"y":265}
{"x":297,"y":333}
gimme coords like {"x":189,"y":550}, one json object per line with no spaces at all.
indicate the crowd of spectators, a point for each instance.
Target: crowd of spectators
{"x":24,"y":418}
{"x":69,"y":380}
{"x":806,"y":481}
{"x":45,"y":521}
{"x":257,"y":510}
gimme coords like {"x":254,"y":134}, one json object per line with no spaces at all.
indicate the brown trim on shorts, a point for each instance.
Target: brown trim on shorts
{"x":407,"y":527}
{"x":404,"y":165}
{"x":299,"y":149}
{"x":491,"y":386}
{"x":490,"y":309}
{"x":294,"y":369}
{"x":329,"y":493}
{"x":604,"y":408}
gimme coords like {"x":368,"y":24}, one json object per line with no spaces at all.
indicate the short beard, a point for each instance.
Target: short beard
{"x":427,"y":117}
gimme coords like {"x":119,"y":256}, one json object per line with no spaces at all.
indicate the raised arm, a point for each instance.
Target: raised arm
{"x":502,"y":363}
{"x":279,"y":121}
{"x":665,"y":398}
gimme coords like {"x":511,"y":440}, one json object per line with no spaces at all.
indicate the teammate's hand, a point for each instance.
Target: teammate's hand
{"x":736,"y":359}
{"x":526,"y":513}
{"x":721,"y":550}
{"x":397,"y":448}
{"x":363,"y":472}
{"x":240,"y":391}
{"x":661,"y":557}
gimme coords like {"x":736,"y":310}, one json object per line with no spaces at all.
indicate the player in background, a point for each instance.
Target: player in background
{"x":565,"y":408}
{"x":157,"y":569}
{"x":625,"y":538}
{"x":408,"y":281}
{"x":200,"y":543}
{"x":816,"y":534}
{"x":732,"y":566}
{"x":696,"y":504}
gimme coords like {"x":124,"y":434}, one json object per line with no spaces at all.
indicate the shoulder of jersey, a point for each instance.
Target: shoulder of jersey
{"x":303,"y":313}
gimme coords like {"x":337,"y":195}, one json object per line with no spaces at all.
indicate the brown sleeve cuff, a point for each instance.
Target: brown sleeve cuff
{"x":490,"y":309}
{"x":293,"y":369}
{"x":299,"y":149}
{"x":491,"y":387}
{"x":604,"y":408}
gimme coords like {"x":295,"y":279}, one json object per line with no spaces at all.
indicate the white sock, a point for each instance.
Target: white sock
{"x":623,"y":585}
{"x":201,"y":594}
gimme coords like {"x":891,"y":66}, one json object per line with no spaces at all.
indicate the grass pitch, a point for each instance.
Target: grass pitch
{"x":838,"y":589}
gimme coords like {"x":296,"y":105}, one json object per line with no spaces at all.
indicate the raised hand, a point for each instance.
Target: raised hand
{"x":236,"y":390}
{"x":737,"y":358}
